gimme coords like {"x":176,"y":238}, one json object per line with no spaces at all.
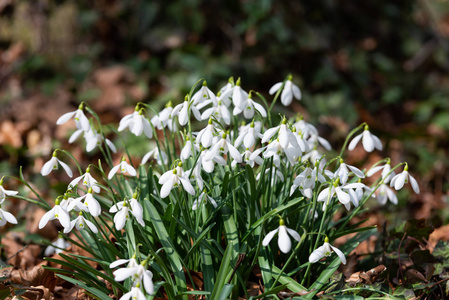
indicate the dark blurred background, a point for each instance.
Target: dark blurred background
{"x":376,"y":61}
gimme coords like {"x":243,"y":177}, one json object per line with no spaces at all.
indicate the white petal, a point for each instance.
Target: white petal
{"x":317,"y":255}
{"x":367,"y":141}
{"x":260,"y":109}
{"x":75,"y":135}
{"x":48,"y":166}
{"x":63,"y":217}
{"x":91,"y":226}
{"x":113,"y":171}
{"x":118,"y":263}
{"x":187,"y":186}
{"x":123,"y":273}
{"x":49,"y":215}
{"x":296,"y":91}
{"x":65,"y":117}
{"x":275,"y":87}
{"x":342,"y":196}
{"x":400,"y":180}
{"x":66,"y":168}
{"x":166,"y":188}
{"x":374,"y":170}
{"x":130,"y":169}
{"x":120,"y":219}
{"x":354,"y":142}
{"x":340,"y":254}
{"x":269,"y":237}
{"x":356,"y":171}
{"x":235,"y":154}
{"x":148,"y":283}
{"x":284,"y":242}
{"x":294,"y":234}
{"x":414,"y":184}
{"x":9,"y":217}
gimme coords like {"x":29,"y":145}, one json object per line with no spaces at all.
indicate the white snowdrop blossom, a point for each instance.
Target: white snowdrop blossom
{"x":164,"y":119}
{"x":94,"y":139}
{"x":90,"y":204}
{"x":338,"y":190}
{"x":182,"y":111}
{"x":124,"y":167}
{"x":385,"y":193}
{"x":248,"y":134}
{"x":219,"y":111}
{"x":306,"y":181}
{"x":160,"y":157}
{"x":57,"y":246}
{"x":290,"y":90}
{"x":343,"y":172}
{"x":138,"y":275}
{"x":202,"y":199}
{"x":326,"y":250}
{"x":369,"y":141}
{"x":122,"y":209}
{"x":222,"y":147}
{"x":81,"y":120}
{"x":6,"y":217}
{"x":205,"y":136}
{"x":172,"y":178}
{"x":80,"y":223}
{"x":137,"y":123}
{"x":285,"y":136}
{"x":52,"y":164}
{"x":249,"y":107}
{"x":400,"y":179}
{"x":385,"y":172}
{"x":4,"y":192}
{"x":251,"y":157}
{"x":57,"y":212}
{"x":236,"y":93}
{"x":203,"y":94}
{"x":87,"y":180}
{"x":186,"y":151}
{"x":284,"y":242}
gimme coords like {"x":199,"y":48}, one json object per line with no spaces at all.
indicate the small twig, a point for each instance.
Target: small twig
{"x":26,"y":246}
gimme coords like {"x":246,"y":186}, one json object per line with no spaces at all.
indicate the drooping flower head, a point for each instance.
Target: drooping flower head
{"x":369,"y":141}
{"x":289,"y":91}
{"x":326,"y":250}
{"x":284,"y":242}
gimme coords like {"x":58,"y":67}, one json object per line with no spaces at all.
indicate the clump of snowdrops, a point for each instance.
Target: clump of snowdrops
{"x":228,"y":188}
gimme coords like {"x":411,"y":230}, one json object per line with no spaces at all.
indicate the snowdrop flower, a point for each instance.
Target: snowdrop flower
{"x":237,"y":94}
{"x":203,"y":94}
{"x":172,"y":178}
{"x":4,"y":192}
{"x":274,"y":149}
{"x":57,"y":246}
{"x":251,"y":157}
{"x":182,"y":111}
{"x":248,"y":107}
{"x":94,"y":139}
{"x":135,"y":293}
{"x":249,"y":134}
{"x":369,"y":141}
{"x":160,"y":157}
{"x":343,"y":172}
{"x":305,"y":128}
{"x":385,"y":170}
{"x":337,"y":190}
{"x":131,"y":262}
{"x":223,"y":146}
{"x":138,"y":275}
{"x":219,"y":112}
{"x":67,"y":201}
{"x":123,"y":166}
{"x":326,"y":250}
{"x":384,"y":193}
{"x":306,"y":181}
{"x":186,"y":151}
{"x":201,"y":199}
{"x":399,"y":180}
{"x":80,"y":223}
{"x":206,"y":135}
{"x":81,"y":120}
{"x":122,"y":212}
{"x":285,"y":136}
{"x":284,"y":242}
{"x":57,"y":212}
{"x":6,"y":217}
{"x":90,"y":204}
{"x":52,"y":164}
{"x":137,"y":123}
{"x":290,"y":90}
{"x":164,"y":119}
{"x":87,"y":180}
